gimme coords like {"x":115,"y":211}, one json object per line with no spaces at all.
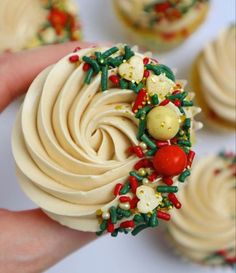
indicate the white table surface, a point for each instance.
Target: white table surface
{"x":147,"y":252}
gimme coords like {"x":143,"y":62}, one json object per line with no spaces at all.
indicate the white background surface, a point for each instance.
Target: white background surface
{"x":147,"y":252}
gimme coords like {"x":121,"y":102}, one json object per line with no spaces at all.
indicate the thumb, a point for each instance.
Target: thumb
{"x":17,"y":70}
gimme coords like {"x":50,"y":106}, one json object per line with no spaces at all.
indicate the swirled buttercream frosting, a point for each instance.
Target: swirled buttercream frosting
{"x":204,"y":229}
{"x":27,"y":23}
{"x":219,"y":91}
{"x":103,"y":139}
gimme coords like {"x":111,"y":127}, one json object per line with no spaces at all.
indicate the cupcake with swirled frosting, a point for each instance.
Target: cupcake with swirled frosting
{"x":31,"y":23}
{"x":204,"y":230}
{"x":213,"y":80}
{"x":103,"y":140}
{"x":161,"y":25}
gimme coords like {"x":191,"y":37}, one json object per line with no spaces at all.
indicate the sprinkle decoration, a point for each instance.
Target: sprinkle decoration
{"x":151,"y":188}
{"x":60,"y":25}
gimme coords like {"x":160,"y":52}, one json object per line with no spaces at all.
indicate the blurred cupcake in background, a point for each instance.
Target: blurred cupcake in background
{"x":161,"y":24}
{"x":31,"y":23}
{"x":213,"y":80}
{"x":204,"y":229}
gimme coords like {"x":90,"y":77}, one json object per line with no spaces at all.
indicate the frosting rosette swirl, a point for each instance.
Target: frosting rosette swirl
{"x":204,"y":229}
{"x":215,"y":93}
{"x":75,"y":140}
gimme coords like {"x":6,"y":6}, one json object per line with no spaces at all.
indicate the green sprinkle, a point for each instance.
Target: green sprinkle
{"x":125,"y":188}
{"x":139,"y":228}
{"x":99,"y":58}
{"x":184,"y":175}
{"x":128,"y":52}
{"x":176,"y":96}
{"x":184,"y":95}
{"x":123,"y":84}
{"x":143,"y":111}
{"x":115,"y":233}
{"x":124,"y":213}
{"x":89,"y":75}
{"x":92,"y":62}
{"x":104,"y":78}
{"x":185,"y":149}
{"x":136,"y":88}
{"x":109,"y":52}
{"x":141,"y":127}
{"x":148,"y":141}
{"x":146,"y":217}
{"x":151,"y":152}
{"x":187,"y":103}
{"x":136,"y":175}
{"x":112,"y":211}
{"x":155,"y":99}
{"x":167,"y":71}
{"x":114,"y":62}
{"x":103,"y":225}
{"x":138,"y":218}
{"x":187,"y":123}
{"x":153,"y":221}
{"x":99,"y":233}
{"x":181,"y":110}
{"x":167,"y":188}
{"x":155,"y":68}
{"x":185,"y":143}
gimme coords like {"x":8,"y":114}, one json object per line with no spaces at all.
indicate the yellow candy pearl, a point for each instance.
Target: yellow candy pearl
{"x":162,"y":123}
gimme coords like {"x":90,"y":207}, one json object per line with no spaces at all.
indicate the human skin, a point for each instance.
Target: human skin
{"x":30,"y":241}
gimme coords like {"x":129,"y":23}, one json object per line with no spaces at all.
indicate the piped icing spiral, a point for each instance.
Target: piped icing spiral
{"x":81,"y":146}
{"x":204,"y":229}
{"x":26,"y":23}
{"x":219,"y":91}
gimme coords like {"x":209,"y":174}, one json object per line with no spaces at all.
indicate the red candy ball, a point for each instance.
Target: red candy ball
{"x":170,"y":160}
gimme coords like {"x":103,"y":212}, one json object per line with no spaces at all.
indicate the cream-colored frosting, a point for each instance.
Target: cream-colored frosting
{"x":70,"y":141}
{"x":217,"y":71}
{"x":134,"y":11}
{"x":19,"y":22}
{"x":206,"y":222}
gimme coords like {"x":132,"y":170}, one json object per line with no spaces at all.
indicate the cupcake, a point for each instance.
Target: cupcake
{"x":215,"y":92}
{"x":204,"y":230}
{"x":103,"y":139}
{"x":31,"y":23}
{"x":161,"y":25}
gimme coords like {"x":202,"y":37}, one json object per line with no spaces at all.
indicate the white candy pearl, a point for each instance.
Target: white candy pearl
{"x":125,"y":206}
{"x":162,"y":123}
{"x":106,"y":215}
{"x":143,"y":145}
{"x":145,"y":181}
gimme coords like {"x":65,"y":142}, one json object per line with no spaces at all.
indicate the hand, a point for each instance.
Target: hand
{"x":30,"y":241}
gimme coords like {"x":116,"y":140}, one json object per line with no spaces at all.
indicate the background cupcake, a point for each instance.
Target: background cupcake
{"x":213,"y":80}
{"x":161,"y":25}
{"x":204,"y":229}
{"x":31,"y":23}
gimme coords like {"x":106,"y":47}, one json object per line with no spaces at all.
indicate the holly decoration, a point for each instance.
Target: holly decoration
{"x":150,"y":189}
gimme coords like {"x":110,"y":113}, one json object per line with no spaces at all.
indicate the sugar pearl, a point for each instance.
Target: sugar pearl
{"x":106,"y":215}
{"x":125,"y":206}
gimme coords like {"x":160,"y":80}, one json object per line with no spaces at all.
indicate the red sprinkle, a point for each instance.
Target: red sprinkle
{"x":124,"y":199}
{"x":230,"y":260}
{"x":86,"y":66}
{"x":143,"y":163}
{"x":191,"y":156}
{"x":134,"y":202}
{"x":160,"y":143}
{"x":164,"y":102}
{"x":163,"y":215}
{"x":138,"y":151}
{"x":133,"y":183}
{"x":222,"y":252}
{"x":127,"y":224}
{"x":110,"y":227}
{"x":117,"y":189}
{"x":153,"y":176}
{"x":162,"y":7}
{"x":168,"y":181}
{"x":172,"y":197}
{"x":74,"y":58}
{"x":77,"y":49}
{"x":141,"y":97}
{"x":177,"y":102}
{"x":174,"y":140}
{"x":145,"y":60}
{"x":176,"y":91}
{"x":146,"y":73}
{"x":114,"y":79}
